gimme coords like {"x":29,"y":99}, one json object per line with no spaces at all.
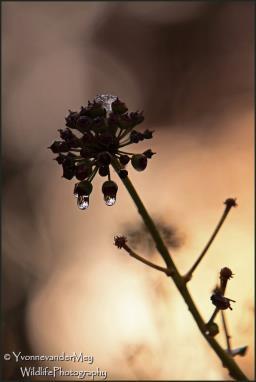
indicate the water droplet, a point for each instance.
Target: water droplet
{"x":109,"y":200}
{"x":106,"y":100}
{"x":83,"y":202}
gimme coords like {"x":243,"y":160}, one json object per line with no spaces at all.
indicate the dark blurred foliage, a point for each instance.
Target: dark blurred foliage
{"x":140,"y":239}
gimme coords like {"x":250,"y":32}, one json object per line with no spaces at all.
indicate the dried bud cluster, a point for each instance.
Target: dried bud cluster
{"x":120,"y":241}
{"x":93,"y":138}
{"x":218,"y":298}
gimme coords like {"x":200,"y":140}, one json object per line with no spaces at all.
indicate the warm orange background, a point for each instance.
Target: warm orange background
{"x":66,"y":287}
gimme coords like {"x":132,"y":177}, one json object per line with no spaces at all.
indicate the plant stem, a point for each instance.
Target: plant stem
{"x":189,"y":274}
{"x":145,"y":261}
{"x":228,"y":337}
{"x":227,"y":361}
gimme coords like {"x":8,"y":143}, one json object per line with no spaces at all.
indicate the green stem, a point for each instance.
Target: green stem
{"x":227,"y":361}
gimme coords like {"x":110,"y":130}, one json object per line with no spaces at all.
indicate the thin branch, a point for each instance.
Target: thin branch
{"x":147,"y":262}
{"x":227,"y":361}
{"x":228,"y":337}
{"x":229,"y":204}
{"x":216,"y":311}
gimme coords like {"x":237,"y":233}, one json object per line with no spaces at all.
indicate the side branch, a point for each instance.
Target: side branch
{"x":120,"y":242}
{"x":229,"y":204}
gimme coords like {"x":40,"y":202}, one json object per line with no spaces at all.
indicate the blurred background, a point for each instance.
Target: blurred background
{"x":65,"y":287}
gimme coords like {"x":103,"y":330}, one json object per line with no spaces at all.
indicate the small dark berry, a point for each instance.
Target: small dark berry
{"x":104,"y":159}
{"x":123,"y":174}
{"x":83,"y":188}
{"x":109,"y":188}
{"x":139,"y":162}
{"x":124,"y":159}
{"x":103,"y":170}
{"x":87,"y":152}
{"x":84,"y":170}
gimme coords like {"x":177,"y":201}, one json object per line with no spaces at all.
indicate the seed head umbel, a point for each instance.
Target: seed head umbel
{"x":96,"y":136}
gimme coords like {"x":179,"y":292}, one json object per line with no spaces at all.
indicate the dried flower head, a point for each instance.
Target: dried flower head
{"x":220,"y":301}
{"x":96,"y":136}
{"x":226,"y":274}
{"x":120,"y":241}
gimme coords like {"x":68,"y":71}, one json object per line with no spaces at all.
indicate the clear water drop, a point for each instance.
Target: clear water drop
{"x":106,"y":100}
{"x":83,"y":202}
{"x":109,"y":200}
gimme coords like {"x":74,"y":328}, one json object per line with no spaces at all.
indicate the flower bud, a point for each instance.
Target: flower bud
{"x":220,"y":301}
{"x":83,"y":188}
{"x":139,"y":162}
{"x":99,"y":124}
{"x":60,"y":158}
{"x":95,"y":109}
{"x":136,"y":136}
{"x":148,"y":134}
{"x":119,"y":107}
{"x":149,"y":153}
{"x":84,"y":123}
{"x":71,"y":119}
{"x":125,"y":121}
{"x":230,"y":202}
{"x":120,"y":241}
{"x":68,"y":166}
{"x":59,"y":146}
{"x":226,"y":273}
{"x":66,"y":134}
{"x":136,"y":118}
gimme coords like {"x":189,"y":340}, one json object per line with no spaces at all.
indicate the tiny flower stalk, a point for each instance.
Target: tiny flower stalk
{"x":121,"y":242}
{"x":102,"y":130}
{"x":230,"y":202}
